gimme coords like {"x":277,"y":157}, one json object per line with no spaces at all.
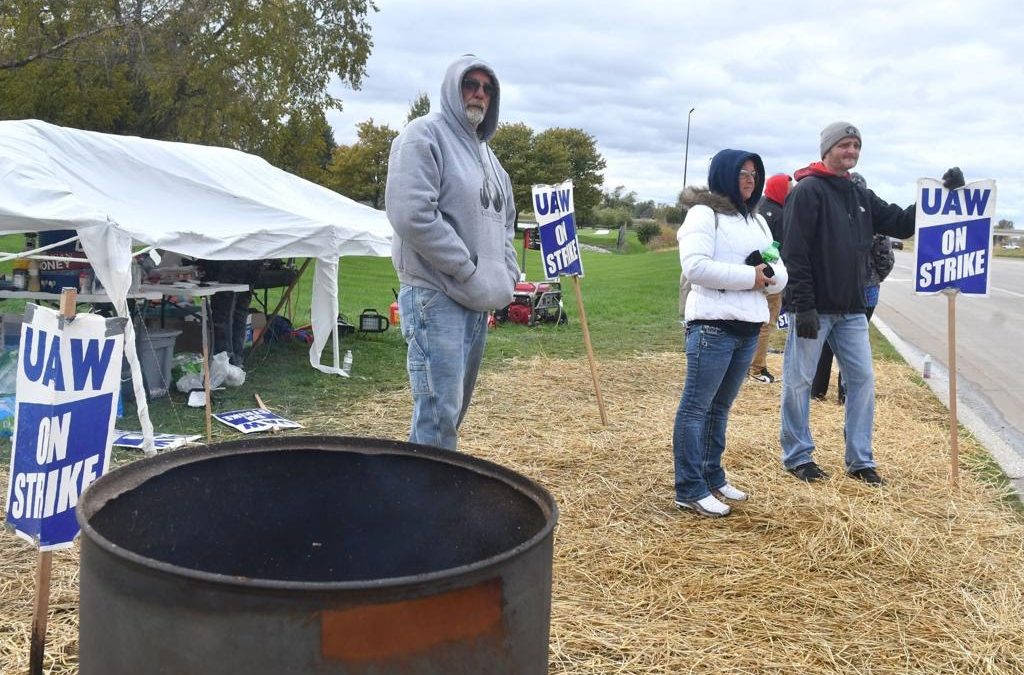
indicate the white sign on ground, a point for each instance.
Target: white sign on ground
{"x":255,"y":419}
{"x":133,"y":439}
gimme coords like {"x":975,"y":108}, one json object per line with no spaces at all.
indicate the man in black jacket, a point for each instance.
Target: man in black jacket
{"x":829,"y":223}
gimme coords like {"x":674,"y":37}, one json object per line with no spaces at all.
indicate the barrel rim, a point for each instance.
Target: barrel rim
{"x":130,"y":476}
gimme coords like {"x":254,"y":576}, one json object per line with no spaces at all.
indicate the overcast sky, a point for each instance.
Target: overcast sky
{"x":929,"y":83}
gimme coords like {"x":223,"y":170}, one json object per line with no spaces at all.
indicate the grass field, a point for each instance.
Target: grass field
{"x":630,"y":301}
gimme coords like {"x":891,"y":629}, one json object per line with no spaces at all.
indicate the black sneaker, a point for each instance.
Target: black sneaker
{"x":868,"y":475}
{"x":763,"y":375}
{"x":809,"y":472}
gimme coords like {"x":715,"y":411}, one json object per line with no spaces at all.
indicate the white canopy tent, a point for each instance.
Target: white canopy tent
{"x":199,"y":201}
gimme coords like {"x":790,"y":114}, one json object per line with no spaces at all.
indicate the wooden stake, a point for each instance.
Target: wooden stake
{"x":206,"y":371}
{"x":38,"y":647}
{"x":590,"y":350}
{"x":44,"y":565}
{"x":954,"y":437}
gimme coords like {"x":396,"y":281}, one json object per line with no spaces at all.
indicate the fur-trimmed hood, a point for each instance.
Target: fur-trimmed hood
{"x":702,"y":196}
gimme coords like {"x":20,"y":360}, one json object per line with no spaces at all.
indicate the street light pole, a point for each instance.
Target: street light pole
{"x":686,"y":153}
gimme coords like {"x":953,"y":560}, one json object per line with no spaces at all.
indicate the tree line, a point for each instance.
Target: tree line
{"x":254,"y":77}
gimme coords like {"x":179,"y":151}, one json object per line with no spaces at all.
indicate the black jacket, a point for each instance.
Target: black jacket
{"x":828,"y":224}
{"x":772,"y":212}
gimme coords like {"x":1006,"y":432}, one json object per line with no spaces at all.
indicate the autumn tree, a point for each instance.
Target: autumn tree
{"x":360,"y":171}
{"x":226,"y":72}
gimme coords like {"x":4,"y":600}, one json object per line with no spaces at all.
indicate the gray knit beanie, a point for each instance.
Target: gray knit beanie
{"x":836,"y":132}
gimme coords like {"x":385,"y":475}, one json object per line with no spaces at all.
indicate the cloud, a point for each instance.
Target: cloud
{"x":930,"y":84}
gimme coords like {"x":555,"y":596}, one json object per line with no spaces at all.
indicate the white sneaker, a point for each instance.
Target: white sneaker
{"x":727,"y":491}
{"x":708,"y":506}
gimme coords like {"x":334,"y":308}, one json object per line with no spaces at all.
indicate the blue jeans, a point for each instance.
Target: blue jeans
{"x":446,"y":345}
{"x":716,"y":367}
{"x":847,"y":335}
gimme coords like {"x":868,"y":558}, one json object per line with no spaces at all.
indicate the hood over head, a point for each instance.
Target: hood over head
{"x":724,"y":177}
{"x":451,"y":95}
{"x":777,"y":187}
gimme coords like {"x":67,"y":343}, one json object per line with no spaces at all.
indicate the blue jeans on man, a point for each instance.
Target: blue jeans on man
{"x":446,"y":346}
{"x":847,"y":335}
{"x":716,"y":367}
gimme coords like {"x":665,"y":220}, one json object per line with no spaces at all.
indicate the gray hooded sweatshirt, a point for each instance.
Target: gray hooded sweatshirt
{"x":450,"y":202}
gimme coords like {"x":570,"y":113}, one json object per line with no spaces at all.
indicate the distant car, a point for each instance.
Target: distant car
{"x":896,"y":244}
{"x":1011,"y":247}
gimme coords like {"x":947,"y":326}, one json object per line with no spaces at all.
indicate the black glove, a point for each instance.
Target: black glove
{"x":807,"y":324}
{"x":953,"y":178}
{"x":755,"y":258}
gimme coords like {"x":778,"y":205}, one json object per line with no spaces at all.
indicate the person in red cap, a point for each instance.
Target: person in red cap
{"x":770,"y":207}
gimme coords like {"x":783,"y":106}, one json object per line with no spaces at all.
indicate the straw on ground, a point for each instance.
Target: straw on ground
{"x":828,"y":578}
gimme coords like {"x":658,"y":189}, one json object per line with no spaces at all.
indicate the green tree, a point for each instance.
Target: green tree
{"x":512,"y":144}
{"x":303,"y":147}
{"x":225,"y":72}
{"x":419,"y":107}
{"x":359,"y":171}
{"x":618,"y":198}
{"x":551,"y":161}
{"x":585,"y":166}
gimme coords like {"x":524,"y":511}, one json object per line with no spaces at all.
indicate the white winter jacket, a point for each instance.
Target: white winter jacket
{"x":712,"y":258}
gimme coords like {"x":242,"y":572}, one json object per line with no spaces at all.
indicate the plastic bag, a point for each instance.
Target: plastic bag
{"x":221,"y":373}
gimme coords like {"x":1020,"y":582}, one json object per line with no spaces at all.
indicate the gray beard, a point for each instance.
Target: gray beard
{"x":475,"y":116}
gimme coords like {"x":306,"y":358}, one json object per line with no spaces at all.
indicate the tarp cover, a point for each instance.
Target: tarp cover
{"x":199,"y":201}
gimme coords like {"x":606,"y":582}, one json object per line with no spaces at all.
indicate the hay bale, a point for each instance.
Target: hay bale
{"x":828,"y":578}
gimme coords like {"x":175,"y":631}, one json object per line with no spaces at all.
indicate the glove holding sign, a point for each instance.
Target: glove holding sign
{"x":953,"y":178}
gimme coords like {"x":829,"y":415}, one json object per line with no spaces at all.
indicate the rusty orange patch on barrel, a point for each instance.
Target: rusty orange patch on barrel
{"x":397,"y":629}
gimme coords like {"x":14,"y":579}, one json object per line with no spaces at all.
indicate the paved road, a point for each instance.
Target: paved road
{"x":989,"y":336}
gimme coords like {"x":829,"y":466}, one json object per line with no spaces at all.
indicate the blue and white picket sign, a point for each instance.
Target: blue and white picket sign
{"x":254,"y":419}
{"x":134,"y":439}
{"x":69,"y":373}
{"x":954,"y":236}
{"x":555,"y":212}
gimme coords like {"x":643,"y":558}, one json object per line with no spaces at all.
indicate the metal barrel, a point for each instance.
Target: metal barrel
{"x":315,"y":555}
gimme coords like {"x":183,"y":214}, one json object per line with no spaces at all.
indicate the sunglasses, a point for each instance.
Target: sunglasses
{"x":471,"y":86}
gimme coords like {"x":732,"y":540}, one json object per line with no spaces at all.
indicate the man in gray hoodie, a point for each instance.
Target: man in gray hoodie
{"x":450,"y":204}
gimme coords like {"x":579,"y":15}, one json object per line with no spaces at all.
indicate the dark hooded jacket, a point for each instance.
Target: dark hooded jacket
{"x":828,"y":226}
{"x":722,"y":178}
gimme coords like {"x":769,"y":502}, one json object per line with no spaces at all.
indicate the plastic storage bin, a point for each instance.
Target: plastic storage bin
{"x":156,"y":349}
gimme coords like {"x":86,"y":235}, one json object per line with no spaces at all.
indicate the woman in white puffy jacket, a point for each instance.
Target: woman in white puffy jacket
{"x":724,"y":311}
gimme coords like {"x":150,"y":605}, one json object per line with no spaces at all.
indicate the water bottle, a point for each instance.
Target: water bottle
{"x":771,"y":253}
{"x":926,"y":369}
{"x":346,"y":363}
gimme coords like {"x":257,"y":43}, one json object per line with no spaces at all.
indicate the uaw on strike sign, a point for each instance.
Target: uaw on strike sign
{"x":954,"y":236}
{"x":69,"y":373}
{"x":555,"y":213}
